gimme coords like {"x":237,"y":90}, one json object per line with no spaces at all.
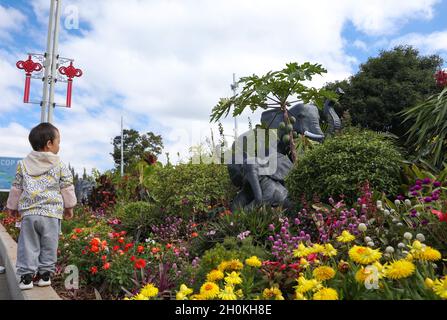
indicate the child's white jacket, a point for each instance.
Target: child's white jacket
{"x":43,"y":186}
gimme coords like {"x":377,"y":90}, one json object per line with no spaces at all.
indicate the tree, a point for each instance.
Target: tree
{"x":386,"y":85}
{"x":135,"y":147}
{"x":274,"y":90}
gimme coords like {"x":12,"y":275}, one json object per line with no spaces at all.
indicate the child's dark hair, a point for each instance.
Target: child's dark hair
{"x":41,"y":134}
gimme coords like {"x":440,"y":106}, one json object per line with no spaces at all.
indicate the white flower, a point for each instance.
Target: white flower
{"x":379,"y":203}
{"x":399,"y":224}
{"x":370,"y":244}
{"x":408,"y":236}
{"x":408,"y":202}
{"x":420,"y":237}
{"x":368,"y":239}
{"x":386,"y":212}
{"x":364,"y":206}
{"x":401,"y":245}
{"x":362,"y":227}
{"x":392,"y":210}
{"x":397,"y":202}
{"x":389,"y":249}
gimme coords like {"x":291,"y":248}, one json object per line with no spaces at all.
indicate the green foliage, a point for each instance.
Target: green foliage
{"x":274,"y":89}
{"x":191,"y":186}
{"x":137,"y":217}
{"x":342,"y":162}
{"x":135,"y":146}
{"x":385,"y":85}
{"x":428,"y":135}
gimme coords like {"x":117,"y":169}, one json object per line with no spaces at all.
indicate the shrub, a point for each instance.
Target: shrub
{"x":342,"y":163}
{"x":194,"y":186}
{"x":137,"y":217}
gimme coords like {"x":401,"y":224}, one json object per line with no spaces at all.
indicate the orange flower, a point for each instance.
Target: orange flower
{"x":194,"y":234}
{"x":94,"y":249}
{"x":106,"y":266}
{"x":74,"y":237}
{"x":95,"y":242}
{"x":155,"y":250}
{"x":94,"y":270}
{"x":104,"y":244}
{"x":140,"y":264}
{"x":140,"y":249}
{"x":169,"y":246}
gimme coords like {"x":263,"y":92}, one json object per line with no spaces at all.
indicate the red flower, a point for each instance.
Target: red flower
{"x":95,"y":242}
{"x":295,"y":266}
{"x":128,"y":246}
{"x":77,"y":230}
{"x":194,"y":234}
{"x":115,"y":248}
{"x":140,"y":264}
{"x":155,"y":250}
{"x":104,"y":258}
{"x":169,"y":246}
{"x":140,"y":249}
{"x":94,"y":249}
{"x":74,"y":237}
{"x":83,"y":251}
{"x":121,"y":240}
{"x":123,"y":233}
{"x":106,"y":266}
{"x":121,"y":252}
{"x":283,"y":266}
{"x":103,"y":244}
{"x":132,"y":258}
{"x":94,"y":270}
{"x":441,"y":216}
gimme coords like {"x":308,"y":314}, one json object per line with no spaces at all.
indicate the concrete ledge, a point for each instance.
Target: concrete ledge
{"x":8,"y":253}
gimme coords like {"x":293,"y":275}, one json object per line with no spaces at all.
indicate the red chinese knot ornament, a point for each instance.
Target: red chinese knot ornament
{"x":70,"y":72}
{"x":29,"y":66}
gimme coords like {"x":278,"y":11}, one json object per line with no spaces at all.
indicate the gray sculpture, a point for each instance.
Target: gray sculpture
{"x":83,"y":190}
{"x":269,"y":189}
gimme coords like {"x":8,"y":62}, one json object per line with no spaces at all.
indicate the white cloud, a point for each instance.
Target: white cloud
{"x":165,"y":64}
{"x":433,"y":43}
{"x":11,"y":20}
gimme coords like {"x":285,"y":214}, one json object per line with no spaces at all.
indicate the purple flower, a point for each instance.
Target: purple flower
{"x":436,"y":184}
{"x":427,"y":199}
{"x":417,"y":187}
{"x":426,"y":181}
{"x":414,"y":193}
{"x":400,"y":197}
{"x":271,"y":227}
{"x":424,"y":222}
{"x":418,"y":181}
{"x":297,"y":221}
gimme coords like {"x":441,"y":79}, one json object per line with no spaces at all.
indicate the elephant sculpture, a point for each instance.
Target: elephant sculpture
{"x":83,"y":190}
{"x":269,"y":189}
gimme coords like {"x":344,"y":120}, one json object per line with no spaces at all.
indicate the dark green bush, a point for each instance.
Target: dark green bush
{"x":137,"y":218}
{"x":195,"y":186}
{"x":342,"y":163}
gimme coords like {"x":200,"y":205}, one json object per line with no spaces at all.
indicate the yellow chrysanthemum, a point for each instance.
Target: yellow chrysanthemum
{"x":345,"y":236}
{"x":253,"y":262}
{"x":227,"y":293}
{"x":364,"y":255}
{"x":209,"y":290}
{"x":317,"y":248}
{"x":214,"y":275}
{"x":326,"y":294}
{"x":233,"y":278}
{"x":299,"y":296}
{"x":231,"y":265}
{"x":440,"y":287}
{"x":329,"y":250}
{"x":149,"y":290}
{"x":273,"y":292}
{"x":305,"y":285}
{"x":301,"y":251}
{"x":239,"y":293}
{"x":197,"y":297}
{"x":429,"y":283}
{"x":429,"y":254}
{"x":323,"y":273}
{"x":183,"y":293}
{"x":140,"y":297}
{"x":399,"y":269}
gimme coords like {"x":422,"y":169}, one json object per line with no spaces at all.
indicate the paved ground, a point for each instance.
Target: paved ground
{"x":4,"y":293}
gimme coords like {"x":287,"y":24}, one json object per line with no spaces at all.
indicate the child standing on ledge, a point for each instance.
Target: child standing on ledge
{"x":42,"y":194}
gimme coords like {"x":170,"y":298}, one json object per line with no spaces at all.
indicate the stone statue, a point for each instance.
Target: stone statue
{"x":269,"y":189}
{"x":83,"y":190}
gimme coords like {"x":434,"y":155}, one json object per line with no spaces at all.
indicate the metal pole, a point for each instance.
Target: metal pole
{"x":122,"y":147}
{"x":234,"y":87}
{"x":54,"y":60}
{"x":47,"y":64}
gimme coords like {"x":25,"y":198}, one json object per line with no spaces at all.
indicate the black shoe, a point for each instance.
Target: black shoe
{"x":44,"y":279}
{"x":26,"y":281}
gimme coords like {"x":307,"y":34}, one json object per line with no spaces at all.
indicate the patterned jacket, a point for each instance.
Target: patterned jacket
{"x":46,"y":194}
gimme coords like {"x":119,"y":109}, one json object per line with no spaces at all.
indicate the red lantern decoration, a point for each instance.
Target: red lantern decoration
{"x":70,"y":72}
{"x":29,"y":66}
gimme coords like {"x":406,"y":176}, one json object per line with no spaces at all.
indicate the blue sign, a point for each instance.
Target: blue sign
{"x":8,"y":167}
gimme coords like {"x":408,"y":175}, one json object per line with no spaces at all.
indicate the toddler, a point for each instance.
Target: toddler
{"x":42,"y":194}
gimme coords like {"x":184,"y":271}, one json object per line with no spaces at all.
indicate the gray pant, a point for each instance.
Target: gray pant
{"x":37,"y":247}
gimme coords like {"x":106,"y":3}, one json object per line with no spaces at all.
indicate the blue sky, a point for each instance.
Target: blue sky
{"x":164,"y":64}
